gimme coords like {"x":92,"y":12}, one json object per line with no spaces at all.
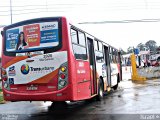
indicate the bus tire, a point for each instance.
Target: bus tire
{"x":116,"y":86}
{"x":100,"y":95}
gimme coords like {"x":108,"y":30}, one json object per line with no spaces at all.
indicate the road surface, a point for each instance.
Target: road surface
{"x":136,"y":98}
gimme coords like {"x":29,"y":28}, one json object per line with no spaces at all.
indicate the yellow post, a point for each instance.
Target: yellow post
{"x":133,"y":63}
{"x":135,"y":75}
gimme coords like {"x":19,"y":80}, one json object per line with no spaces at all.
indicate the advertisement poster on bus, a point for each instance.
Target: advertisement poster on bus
{"x":32,"y":36}
{"x":11,"y":39}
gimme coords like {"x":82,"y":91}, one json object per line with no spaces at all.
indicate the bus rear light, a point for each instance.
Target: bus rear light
{"x":4,"y":73}
{"x":62,"y":76}
{"x":5,"y":85}
{"x":4,"y":78}
{"x":63,"y":68}
{"x":62,"y":82}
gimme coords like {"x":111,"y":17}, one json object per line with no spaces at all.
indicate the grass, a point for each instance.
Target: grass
{"x":1,"y":98}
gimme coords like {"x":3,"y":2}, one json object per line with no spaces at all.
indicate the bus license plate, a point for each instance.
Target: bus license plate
{"x":32,"y":88}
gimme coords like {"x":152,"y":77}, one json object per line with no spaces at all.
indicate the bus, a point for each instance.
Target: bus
{"x":49,"y":59}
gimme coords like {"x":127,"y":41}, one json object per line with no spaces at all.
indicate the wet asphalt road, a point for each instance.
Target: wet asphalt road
{"x":138,"y":98}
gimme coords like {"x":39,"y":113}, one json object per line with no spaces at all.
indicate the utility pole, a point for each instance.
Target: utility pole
{"x":11,"y":10}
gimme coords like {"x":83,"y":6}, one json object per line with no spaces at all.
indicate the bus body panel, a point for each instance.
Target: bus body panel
{"x":37,"y":69}
{"x":61,"y":95}
{"x":83,"y":79}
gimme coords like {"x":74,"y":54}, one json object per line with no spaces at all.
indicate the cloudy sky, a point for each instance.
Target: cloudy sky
{"x":121,"y":23}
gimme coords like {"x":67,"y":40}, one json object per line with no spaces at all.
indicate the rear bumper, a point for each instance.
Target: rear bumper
{"x":60,"y":95}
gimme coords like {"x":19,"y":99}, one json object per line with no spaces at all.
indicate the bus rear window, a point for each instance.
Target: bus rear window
{"x":32,"y":37}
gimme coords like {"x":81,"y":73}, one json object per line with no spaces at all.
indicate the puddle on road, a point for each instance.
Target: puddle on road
{"x":132,"y":84}
{"x":136,"y":89}
{"x":138,"y":84}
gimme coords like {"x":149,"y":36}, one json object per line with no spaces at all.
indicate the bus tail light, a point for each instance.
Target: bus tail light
{"x":4,"y":75}
{"x":4,"y":78}
{"x":4,"y":72}
{"x":5,"y":85}
{"x":63,"y":76}
{"x":62,"y":82}
{"x":63,"y":68}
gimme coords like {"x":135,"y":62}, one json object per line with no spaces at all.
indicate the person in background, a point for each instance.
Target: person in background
{"x":21,"y":42}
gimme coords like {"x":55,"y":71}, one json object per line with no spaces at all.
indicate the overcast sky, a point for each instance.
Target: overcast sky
{"x":120,"y":35}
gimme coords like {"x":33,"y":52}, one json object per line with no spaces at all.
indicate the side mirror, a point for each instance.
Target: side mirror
{"x":2,"y":33}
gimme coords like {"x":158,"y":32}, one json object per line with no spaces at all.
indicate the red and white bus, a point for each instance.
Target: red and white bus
{"x":49,"y":59}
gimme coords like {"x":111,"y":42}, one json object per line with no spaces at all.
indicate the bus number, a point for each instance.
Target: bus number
{"x":47,"y":56}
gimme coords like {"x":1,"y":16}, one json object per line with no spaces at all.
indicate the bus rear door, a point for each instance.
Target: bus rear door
{"x":108,"y":68}
{"x":92,"y":66}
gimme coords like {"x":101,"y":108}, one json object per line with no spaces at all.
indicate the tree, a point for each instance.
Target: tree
{"x":141,"y":46}
{"x":130,"y":49}
{"x":152,"y":45}
{"x":122,"y":51}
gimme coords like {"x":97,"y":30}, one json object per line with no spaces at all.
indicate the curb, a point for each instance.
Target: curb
{"x":153,"y":78}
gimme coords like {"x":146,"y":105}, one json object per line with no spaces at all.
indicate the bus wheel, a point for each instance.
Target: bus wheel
{"x":116,"y":86}
{"x":100,"y":95}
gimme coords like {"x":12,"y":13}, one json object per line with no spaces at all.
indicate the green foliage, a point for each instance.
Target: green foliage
{"x":122,"y":52}
{"x":142,"y":47}
{"x":1,"y":98}
{"x":152,"y":45}
{"x":130,"y":49}
{"x":149,"y":45}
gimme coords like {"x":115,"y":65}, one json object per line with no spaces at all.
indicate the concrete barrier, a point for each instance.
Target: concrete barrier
{"x":150,"y":72}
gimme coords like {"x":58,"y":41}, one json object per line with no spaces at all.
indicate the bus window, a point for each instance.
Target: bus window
{"x":117,"y":60}
{"x":74,"y":36}
{"x":34,"y":36}
{"x":99,"y":56}
{"x":81,"y":38}
{"x":98,"y":52}
{"x":79,"y":48}
{"x":111,"y":55}
{"x":96,"y":45}
{"x":100,"y":46}
{"x":115,"y":56}
{"x":79,"y":52}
